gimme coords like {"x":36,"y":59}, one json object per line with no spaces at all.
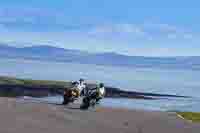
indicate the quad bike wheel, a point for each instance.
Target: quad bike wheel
{"x":69,"y":96}
{"x":86,"y":103}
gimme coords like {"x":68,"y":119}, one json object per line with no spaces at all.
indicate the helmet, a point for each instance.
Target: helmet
{"x":101,"y":85}
{"x":81,"y":80}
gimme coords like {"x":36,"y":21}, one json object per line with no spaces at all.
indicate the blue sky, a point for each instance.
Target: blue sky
{"x":133,"y":27}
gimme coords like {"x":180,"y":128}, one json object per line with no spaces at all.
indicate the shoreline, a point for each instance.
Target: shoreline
{"x":14,"y":87}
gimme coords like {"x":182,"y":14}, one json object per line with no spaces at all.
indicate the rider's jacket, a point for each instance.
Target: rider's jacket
{"x":101,"y":91}
{"x":81,"y":86}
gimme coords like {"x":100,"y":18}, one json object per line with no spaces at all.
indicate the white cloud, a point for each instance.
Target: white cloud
{"x":100,"y":30}
{"x":170,"y":32}
{"x":2,"y":28}
{"x":52,"y":20}
{"x":116,"y":29}
{"x":130,"y":28}
{"x":45,"y":20}
{"x":150,"y":38}
{"x":110,"y":36}
{"x":188,"y":36}
{"x":172,"y":36}
{"x":148,"y":32}
{"x":167,"y":28}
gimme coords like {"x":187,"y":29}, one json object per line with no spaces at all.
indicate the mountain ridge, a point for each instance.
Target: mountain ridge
{"x":51,"y":53}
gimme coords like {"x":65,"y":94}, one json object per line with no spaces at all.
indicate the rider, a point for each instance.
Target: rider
{"x":80,"y":87}
{"x":76,"y":90}
{"x":100,"y":92}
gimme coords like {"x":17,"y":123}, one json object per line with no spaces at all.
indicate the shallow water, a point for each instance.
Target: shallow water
{"x":175,"y":104}
{"x":173,"y":81}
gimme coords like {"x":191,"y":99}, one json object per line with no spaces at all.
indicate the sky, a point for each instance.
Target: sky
{"x":131,"y":27}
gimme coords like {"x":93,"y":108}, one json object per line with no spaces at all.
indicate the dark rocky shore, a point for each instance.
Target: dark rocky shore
{"x":19,"y":87}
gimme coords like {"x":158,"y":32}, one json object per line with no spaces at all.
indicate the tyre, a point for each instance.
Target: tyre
{"x":85,"y":104}
{"x":65,"y":101}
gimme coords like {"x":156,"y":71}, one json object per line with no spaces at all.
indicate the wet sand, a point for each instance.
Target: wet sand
{"x":27,"y":117}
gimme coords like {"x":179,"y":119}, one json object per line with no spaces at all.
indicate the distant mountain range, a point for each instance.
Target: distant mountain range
{"x":49,"y":53}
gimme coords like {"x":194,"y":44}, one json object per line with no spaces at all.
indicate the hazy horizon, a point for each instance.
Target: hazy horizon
{"x":95,"y":52}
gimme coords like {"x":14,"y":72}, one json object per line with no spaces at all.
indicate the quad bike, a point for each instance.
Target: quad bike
{"x":89,"y":100}
{"x":70,"y":95}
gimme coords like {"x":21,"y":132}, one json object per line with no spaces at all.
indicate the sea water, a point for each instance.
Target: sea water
{"x":167,"y":81}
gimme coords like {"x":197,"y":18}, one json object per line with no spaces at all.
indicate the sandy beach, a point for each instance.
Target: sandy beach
{"x":23,"y":117}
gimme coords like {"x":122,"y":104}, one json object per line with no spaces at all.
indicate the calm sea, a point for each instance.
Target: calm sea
{"x":172,"y":81}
